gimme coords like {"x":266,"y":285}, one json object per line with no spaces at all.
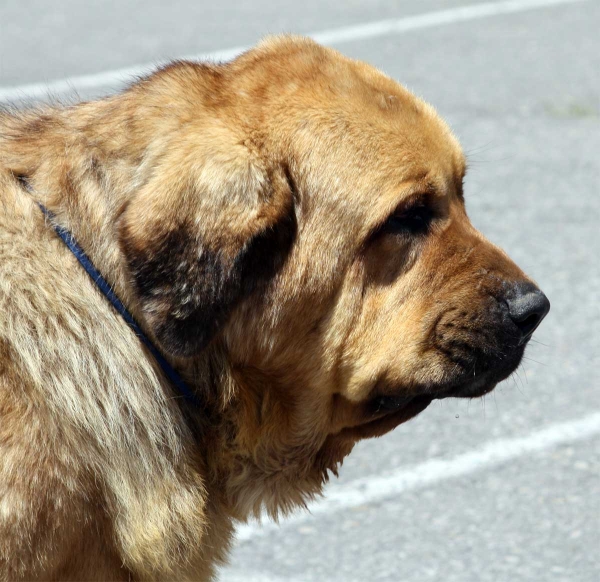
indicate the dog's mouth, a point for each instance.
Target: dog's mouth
{"x":394,"y":405}
{"x":461,"y":386}
{"x":387,"y":412}
{"x":405,"y":407}
{"x":479,"y":386}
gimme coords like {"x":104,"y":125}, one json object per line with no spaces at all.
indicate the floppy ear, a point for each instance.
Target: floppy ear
{"x":210,"y":225}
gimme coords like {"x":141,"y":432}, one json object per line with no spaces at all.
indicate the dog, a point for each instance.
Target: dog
{"x":289,"y":231}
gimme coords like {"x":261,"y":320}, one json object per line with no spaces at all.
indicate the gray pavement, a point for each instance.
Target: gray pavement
{"x":496,"y":525}
{"x":522,"y":92}
{"x":43,"y":41}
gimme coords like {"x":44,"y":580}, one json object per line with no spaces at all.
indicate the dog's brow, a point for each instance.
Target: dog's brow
{"x":420,"y":196}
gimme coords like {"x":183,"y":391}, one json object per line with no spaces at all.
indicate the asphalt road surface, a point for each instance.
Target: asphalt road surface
{"x":504,"y":489}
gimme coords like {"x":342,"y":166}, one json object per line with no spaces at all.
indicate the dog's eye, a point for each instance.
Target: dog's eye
{"x":413,"y":220}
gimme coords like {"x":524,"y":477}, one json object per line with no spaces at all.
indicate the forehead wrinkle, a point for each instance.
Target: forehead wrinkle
{"x":349,"y":139}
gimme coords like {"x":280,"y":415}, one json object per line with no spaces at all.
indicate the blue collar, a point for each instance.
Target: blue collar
{"x":104,"y":287}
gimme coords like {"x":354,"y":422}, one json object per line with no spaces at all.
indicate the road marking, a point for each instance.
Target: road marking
{"x":333,"y":36}
{"x":377,"y":488}
{"x":430,"y":19}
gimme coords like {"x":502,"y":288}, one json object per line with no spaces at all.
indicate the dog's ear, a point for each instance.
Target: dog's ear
{"x":211,"y":224}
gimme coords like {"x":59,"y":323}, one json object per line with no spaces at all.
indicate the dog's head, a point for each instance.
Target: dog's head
{"x":307,"y":214}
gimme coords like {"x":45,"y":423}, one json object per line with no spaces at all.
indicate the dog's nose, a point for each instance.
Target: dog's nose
{"x":527,"y":306}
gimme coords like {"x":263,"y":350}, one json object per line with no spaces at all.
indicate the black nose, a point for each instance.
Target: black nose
{"x":527,"y":306}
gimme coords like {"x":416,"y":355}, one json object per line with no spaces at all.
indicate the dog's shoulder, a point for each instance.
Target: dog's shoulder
{"x":83,"y":414}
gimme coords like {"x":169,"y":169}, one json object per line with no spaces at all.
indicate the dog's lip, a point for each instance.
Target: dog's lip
{"x":475,"y":388}
{"x":406,"y":407}
{"x":418,"y":403}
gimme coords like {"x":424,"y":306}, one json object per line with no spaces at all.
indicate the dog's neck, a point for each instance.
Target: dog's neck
{"x":111,"y":164}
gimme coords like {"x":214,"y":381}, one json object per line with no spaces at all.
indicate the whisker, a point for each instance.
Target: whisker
{"x":514,"y":379}
{"x":538,"y":342}
{"x":520,"y":380}
{"x":532,"y":360}
{"x":482,"y":148}
{"x":525,"y":373}
{"x":495,"y":401}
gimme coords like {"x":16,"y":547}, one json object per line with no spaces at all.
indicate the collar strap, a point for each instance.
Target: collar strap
{"x":106,"y":290}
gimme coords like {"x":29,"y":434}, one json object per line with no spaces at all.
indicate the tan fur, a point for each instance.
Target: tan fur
{"x":104,"y":473}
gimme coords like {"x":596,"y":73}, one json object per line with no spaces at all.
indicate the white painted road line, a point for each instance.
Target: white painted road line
{"x":334,"y":36}
{"x":431,"y":19}
{"x":380,"y":487}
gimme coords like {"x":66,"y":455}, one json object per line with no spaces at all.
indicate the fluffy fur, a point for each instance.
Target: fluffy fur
{"x":238,"y":212}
